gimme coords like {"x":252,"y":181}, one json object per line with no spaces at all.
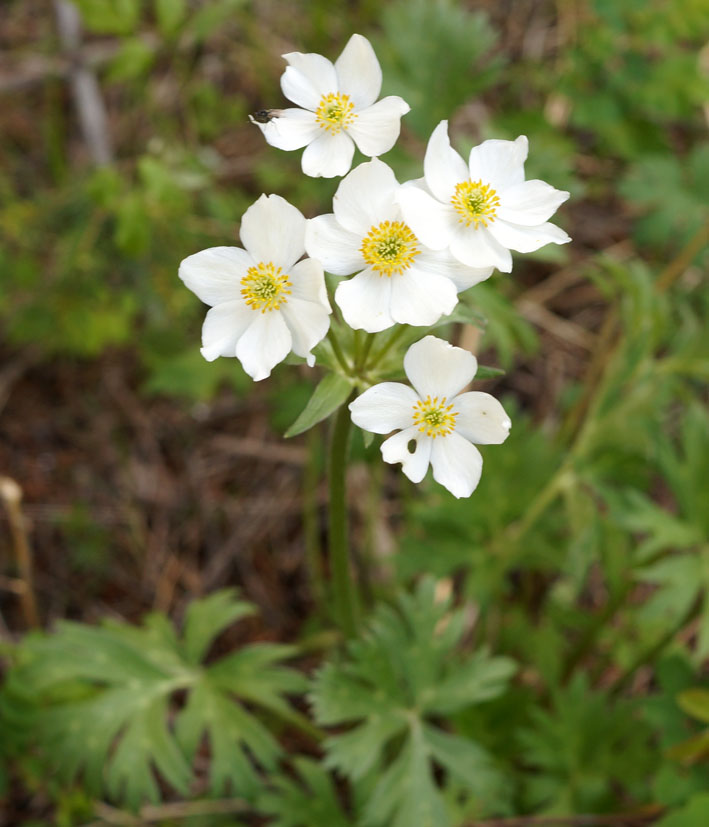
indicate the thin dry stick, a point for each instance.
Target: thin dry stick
{"x":641,"y":819}
{"x":84,"y":86}
{"x":11,"y":495}
{"x":152,"y":813}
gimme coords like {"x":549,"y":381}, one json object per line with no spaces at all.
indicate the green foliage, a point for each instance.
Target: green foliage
{"x":694,"y":814}
{"x":420,"y":35}
{"x":311,"y":803}
{"x":395,"y":684}
{"x":99,"y":702}
{"x":670,"y":195}
{"x":581,"y":748}
{"x":331,"y":392}
{"x":584,"y":549}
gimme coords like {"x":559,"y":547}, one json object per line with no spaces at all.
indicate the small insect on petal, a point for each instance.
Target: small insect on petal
{"x":265,"y":115}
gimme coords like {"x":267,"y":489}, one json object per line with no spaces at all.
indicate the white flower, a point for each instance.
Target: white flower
{"x":263,"y":303}
{"x":338,"y":107}
{"x":442,"y":422}
{"x":483,"y":209}
{"x":398,"y":279}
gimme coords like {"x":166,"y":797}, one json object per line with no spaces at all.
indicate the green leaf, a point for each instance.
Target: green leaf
{"x":101,"y":703}
{"x":110,"y":16}
{"x":170,"y":13}
{"x":132,"y":61}
{"x":694,"y":814}
{"x":695,"y":702}
{"x":488,"y":372}
{"x":313,"y":802}
{"x":579,"y":749}
{"x":331,"y":392}
{"x":206,"y":618}
{"x":393,"y":687}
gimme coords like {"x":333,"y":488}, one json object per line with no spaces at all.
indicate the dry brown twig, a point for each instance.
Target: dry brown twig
{"x":11,"y":495}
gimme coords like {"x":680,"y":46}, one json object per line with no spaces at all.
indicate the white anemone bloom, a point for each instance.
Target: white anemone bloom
{"x":398,"y":279}
{"x":434,"y":417}
{"x":483,"y":209}
{"x":338,"y":109}
{"x":264,"y":301}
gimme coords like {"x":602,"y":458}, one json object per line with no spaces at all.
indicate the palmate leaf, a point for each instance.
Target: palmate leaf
{"x":100,"y":702}
{"x":586,"y":752}
{"x":312,"y":803}
{"x":393,"y":687}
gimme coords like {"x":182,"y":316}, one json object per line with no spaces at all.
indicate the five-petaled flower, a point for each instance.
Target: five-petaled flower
{"x":398,"y":279}
{"x":264,"y":301}
{"x":338,"y":109}
{"x":434,"y":417}
{"x":483,"y":209}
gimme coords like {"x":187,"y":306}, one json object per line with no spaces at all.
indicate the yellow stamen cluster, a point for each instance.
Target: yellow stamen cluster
{"x":434,"y":418}
{"x":390,"y":247}
{"x":335,"y":112}
{"x":265,"y":287}
{"x":476,"y":203}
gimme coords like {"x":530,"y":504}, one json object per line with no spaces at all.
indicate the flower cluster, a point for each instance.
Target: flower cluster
{"x":409,"y":249}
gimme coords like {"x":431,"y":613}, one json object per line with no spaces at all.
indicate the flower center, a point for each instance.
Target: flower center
{"x":264,"y":287}
{"x":475,"y":203}
{"x":390,"y":247}
{"x":335,"y":112}
{"x":433,"y":417}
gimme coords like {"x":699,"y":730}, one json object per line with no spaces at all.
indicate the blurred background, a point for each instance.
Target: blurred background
{"x":149,"y":476}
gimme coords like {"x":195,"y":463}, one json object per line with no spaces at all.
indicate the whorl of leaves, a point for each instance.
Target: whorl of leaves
{"x":99,"y":702}
{"x":393,"y":687}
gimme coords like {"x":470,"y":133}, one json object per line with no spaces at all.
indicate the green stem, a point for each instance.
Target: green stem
{"x":313,"y":552}
{"x":337,"y":350}
{"x":368,"y":342}
{"x":357,"y":348}
{"x":399,"y":331}
{"x":343,"y":587}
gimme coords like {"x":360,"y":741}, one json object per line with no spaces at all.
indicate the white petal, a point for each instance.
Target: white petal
{"x":457,"y":464}
{"x":530,"y":203}
{"x":292,"y":129}
{"x":477,"y":248}
{"x":431,"y":221}
{"x":384,"y":408}
{"x":359,"y":74}
{"x":421,"y":298}
{"x":499,"y":163}
{"x":307,"y":79}
{"x":526,"y":239}
{"x":364,"y":301}
{"x":481,"y":418}
{"x":223,"y":327}
{"x":443,"y":263}
{"x":328,"y":155}
{"x":214,"y":275}
{"x":437,"y":368}
{"x":336,"y":248}
{"x":308,"y":282}
{"x":442,"y":166}
{"x":274,"y":230}
{"x":376,"y":128}
{"x":365,"y":197}
{"x":396,"y":449}
{"x":266,"y":342}
{"x":308,"y":323}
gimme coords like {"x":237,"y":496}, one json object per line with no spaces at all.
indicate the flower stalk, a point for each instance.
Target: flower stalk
{"x":343,"y":587}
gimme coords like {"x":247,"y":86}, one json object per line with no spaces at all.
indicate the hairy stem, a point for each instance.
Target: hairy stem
{"x":343,"y":587}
